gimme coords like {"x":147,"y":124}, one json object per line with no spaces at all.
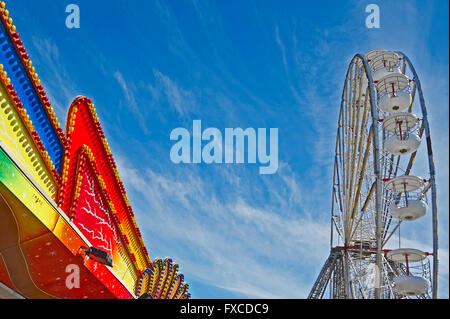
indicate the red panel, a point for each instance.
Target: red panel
{"x":84,"y":131}
{"x":47,"y":259}
{"x":92,"y":215}
{"x":4,"y":278}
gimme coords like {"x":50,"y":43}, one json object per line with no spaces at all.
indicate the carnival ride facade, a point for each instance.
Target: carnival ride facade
{"x":62,"y":202}
{"x":375,"y":187}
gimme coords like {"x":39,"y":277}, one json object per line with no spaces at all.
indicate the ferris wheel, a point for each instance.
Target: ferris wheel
{"x":376,"y":189}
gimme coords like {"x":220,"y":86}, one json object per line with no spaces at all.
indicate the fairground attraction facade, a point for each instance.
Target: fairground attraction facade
{"x":67,"y":229}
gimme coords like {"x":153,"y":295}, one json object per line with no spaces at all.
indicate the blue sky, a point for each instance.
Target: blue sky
{"x":152,"y":66}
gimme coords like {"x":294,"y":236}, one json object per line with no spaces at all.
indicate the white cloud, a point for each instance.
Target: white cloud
{"x":129,"y":90}
{"x":287,"y":69}
{"x":179,"y":99}
{"x":244,"y":248}
{"x":129,"y":95}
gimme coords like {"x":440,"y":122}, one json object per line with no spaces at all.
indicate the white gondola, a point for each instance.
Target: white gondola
{"x":370,"y":56}
{"x":407,"y":202}
{"x":379,"y":59}
{"x":385,"y":71}
{"x":412,"y":210}
{"x":401,"y":133}
{"x":411,"y":285}
{"x":374,"y":53}
{"x":403,"y":255}
{"x":405,"y":183}
{"x":400,"y":122}
{"x":398,"y":145}
{"x":381,"y":63}
{"x":392,"y":83}
{"x":398,"y":103}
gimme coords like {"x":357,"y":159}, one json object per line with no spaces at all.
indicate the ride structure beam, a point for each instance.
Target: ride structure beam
{"x":377,"y":170}
{"x":432,"y":176}
{"x":332,"y":269}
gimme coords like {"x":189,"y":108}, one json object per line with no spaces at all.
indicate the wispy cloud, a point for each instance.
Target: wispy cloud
{"x":152,"y":94}
{"x":130,"y":100}
{"x":287,"y":68}
{"x":129,"y":95}
{"x":250,"y":249}
{"x":183,"y":101}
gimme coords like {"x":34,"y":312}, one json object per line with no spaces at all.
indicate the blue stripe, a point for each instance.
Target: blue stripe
{"x":23,"y":85}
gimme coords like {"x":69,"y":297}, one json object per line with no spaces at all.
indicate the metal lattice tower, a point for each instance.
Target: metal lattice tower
{"x":332,"y":269}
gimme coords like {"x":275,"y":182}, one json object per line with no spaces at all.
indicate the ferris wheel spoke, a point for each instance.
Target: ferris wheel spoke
{"x":364,"y":208}
{"x":361,"y":147}
{"x":336,"y":200}
{"x":356,"y":143}
{"x":362,"y":173}
{"x":361,"y":179}
{"x":397,"y":166}
{"x":387,"y":238}
{"x":338,"y":227}
{"x":425,"y":191}
{"x":403,"y":66}
{"x":413,"y":96}
{"x":339,"y":199}
{"x":413,"y":155}
{"x":386,"y":229}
